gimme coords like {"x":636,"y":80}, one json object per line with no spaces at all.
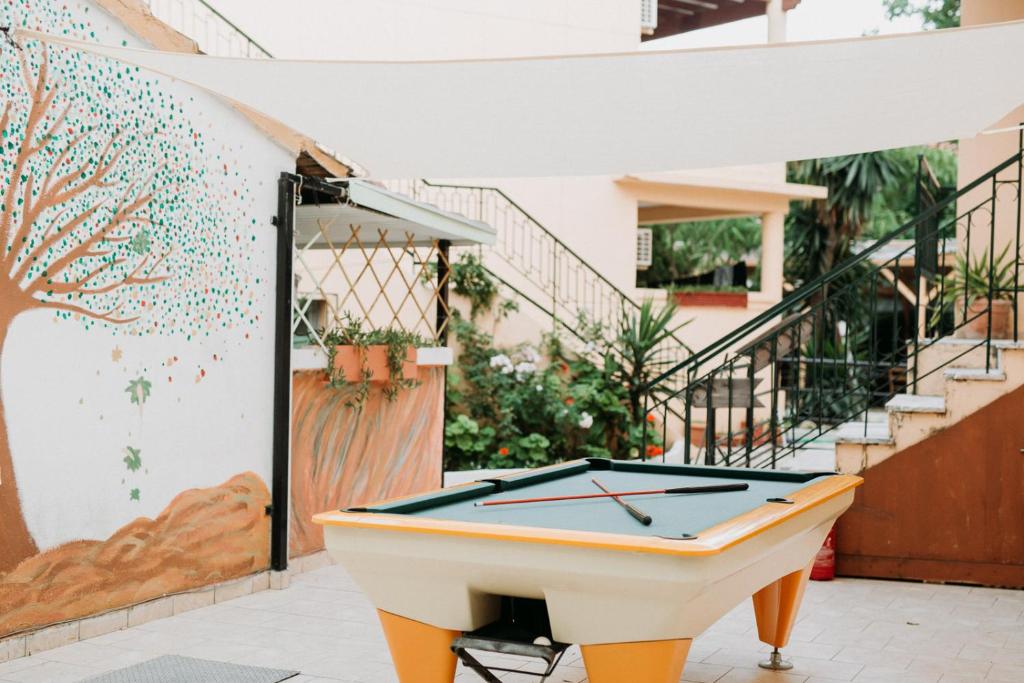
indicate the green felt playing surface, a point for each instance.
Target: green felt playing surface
{"x":673,"y":515}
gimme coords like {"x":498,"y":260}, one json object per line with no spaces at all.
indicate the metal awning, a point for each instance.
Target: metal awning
{"x":402,"y":220}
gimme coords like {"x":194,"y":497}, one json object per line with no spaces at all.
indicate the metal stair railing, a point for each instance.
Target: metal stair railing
{"x":213,"y":32}
{"x":530,"y":260}
{"x":849,"y":341}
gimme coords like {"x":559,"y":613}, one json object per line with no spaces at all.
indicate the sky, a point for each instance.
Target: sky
{"x":811,"y":20}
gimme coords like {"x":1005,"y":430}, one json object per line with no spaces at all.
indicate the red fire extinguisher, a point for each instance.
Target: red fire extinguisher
{"x":824,"y":568}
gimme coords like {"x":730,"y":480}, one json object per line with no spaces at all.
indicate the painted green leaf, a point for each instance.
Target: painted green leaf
{"x":138,"y":390}
{"x":140,"y":242}
{"x":133,"y":495}
{"x":134,"y":458}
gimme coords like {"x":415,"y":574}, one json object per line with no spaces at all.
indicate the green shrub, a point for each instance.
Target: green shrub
{"x":467,"y":443}
{"x":513,"y":407}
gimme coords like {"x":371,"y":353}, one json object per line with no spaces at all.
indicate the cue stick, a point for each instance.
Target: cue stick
{"x":636,"y":513}
{"x":713,"y":488}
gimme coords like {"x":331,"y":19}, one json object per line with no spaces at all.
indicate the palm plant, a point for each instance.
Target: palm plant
{"x":972,"y":281}
{"x":638,"y":344}
{"x":821,"y":234}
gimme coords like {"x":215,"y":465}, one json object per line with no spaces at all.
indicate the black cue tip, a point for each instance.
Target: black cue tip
{"x":640,"y":517}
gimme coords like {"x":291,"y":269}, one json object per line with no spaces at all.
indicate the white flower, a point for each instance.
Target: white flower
{"x":500,"y":360}
{"x":586,"y":420}
{"x":530,"y":354}
{"x":525,"y":368}
{"x":540,"y":387}
{"x":507,"y":369}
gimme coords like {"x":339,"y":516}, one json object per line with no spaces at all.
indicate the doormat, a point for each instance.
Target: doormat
{"x":177,"y":669}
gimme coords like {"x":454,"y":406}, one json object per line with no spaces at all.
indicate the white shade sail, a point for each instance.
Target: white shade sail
{"x":624,"y":113}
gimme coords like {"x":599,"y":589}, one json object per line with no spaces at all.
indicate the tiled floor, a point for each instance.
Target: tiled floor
{"x":323,"y":626}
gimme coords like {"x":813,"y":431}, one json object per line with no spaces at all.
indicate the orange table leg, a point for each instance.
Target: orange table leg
{"x":421,"y":652}
{"x":656,"y":661}
{"x":776,"y":605}
{"x":775,"y":608}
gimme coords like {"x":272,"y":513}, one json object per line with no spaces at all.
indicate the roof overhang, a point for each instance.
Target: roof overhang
{"x":667,"y":198}
{"x":138,"y":18}
{"x":681,"y":16}
{"x":396,"y":219}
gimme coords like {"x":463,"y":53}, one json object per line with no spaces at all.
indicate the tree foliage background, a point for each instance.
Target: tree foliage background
{"x":933,"y":13}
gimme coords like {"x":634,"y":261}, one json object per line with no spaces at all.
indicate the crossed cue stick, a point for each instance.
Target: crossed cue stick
{"x":617,"y":496}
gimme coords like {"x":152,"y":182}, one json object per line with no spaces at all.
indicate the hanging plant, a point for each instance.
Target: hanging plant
{"x":469,"y":278}
{"x":361,"y":357}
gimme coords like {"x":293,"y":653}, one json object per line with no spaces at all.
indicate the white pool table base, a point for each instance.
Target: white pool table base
{"x":422,"y":653}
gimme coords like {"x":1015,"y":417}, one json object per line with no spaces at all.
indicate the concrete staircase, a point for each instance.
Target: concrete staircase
{"x":954,"y":384}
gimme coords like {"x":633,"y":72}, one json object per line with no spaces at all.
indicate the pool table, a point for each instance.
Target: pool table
{"x":633,"y":596}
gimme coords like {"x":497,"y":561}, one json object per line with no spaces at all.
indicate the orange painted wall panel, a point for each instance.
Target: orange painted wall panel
{"x":946,"y":509}
{"x":343,"y":456}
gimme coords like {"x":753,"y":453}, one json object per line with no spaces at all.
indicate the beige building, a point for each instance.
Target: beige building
{"x":566,"y":245}
{"x":980,"y":154}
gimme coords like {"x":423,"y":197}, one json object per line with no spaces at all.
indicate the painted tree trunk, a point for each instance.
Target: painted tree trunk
{"x":16,"y":542}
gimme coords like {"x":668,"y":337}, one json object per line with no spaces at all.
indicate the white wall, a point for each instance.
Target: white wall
{"x":208,"y":417}
{"x":435,"y":29}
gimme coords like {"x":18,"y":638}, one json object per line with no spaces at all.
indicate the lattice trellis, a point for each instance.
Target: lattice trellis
{"x":375,"y":275}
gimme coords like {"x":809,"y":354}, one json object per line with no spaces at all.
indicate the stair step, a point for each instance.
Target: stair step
{"x":812,"y":458}
{"x":978,"y":374}
{"x":855,"y":432}
{"x":911,"y":403}
{"x":956,"y":341}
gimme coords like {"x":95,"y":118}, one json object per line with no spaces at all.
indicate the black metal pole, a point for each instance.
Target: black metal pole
{"x":1016,"y":242}
{"x":920,"y":251}
{"x":443,"y":275}
{"x":441,"y":330}
{"x":282,"y":374}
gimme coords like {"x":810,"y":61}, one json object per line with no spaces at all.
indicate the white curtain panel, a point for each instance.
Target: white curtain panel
{"x":610,"y":114}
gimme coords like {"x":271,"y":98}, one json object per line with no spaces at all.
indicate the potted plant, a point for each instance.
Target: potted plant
{"x":966,"y":290}
{"x":707,"y":295}
{"x":361,"y":357}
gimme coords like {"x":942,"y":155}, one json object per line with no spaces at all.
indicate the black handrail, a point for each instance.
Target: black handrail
{"x":623,"y":302}
{"x":852,"y":339}
{"x":825,"y":279}
{"x":540,"y":225}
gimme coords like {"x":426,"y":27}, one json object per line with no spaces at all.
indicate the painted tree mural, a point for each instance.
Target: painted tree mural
{"x":113,"y":211}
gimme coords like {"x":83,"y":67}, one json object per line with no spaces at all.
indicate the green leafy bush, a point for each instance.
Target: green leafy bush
{"x":685,"y":249}
{"x":470,"y":278}
{"x":515,"y":407}
{"x":466,"y":441}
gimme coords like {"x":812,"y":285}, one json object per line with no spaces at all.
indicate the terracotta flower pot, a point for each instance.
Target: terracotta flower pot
{"x":977,"y":315}
{"x":724,"y":299}
{"x":349,"y":360}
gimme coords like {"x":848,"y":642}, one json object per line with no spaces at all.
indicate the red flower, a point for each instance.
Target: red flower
{"x":503,"y":451}
{"x":569,"y":401}
{"x":653,"y":450}
{"x":650,"y":417}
